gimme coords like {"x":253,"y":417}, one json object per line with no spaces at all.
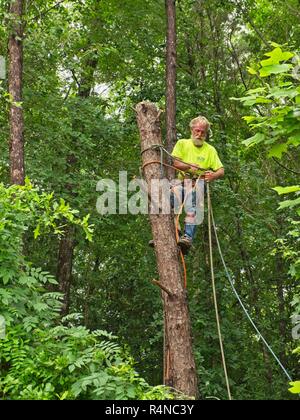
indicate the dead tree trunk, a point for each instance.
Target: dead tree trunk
{"x":170,"y":6}
{"x":171,"y":79}
{"x":181,"y":365}
{"x":15,"y":80}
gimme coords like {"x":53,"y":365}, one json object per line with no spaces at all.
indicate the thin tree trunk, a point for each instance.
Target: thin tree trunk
{"x":89,"y":291}
{"x":64,"y":267}
{"x":170,"y":127}
{"x":68,"y":241}
{"x":171,"y":76}
{"x":181,"y":365}
{"x":257,"y":31}
{"x":15,"y":81}
{"x":218,"y":59}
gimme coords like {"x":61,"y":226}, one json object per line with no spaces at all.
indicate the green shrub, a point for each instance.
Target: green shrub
{"x":41,"y":359}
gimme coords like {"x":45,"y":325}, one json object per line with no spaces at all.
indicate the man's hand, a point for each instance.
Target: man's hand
{"x":194,"y":168}
{"x":210,"y":176}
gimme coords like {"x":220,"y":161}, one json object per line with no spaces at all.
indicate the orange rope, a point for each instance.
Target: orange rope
{"x":161,"y":163}
{"x":181,"y":254}
{"x":177,"y":218}
{"x":177,"y":236}
{"x":177,"y":221}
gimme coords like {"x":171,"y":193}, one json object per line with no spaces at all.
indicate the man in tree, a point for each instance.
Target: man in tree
{"x":194,"y":158}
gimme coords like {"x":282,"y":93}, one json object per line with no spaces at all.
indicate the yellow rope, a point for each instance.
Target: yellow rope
{"x":214,"y":291}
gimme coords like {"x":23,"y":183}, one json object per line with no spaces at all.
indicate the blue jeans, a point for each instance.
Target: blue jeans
{"x":192,"y":198}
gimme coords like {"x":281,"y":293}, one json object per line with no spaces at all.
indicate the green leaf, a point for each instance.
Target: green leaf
{"x":257,"y":90}
{"x":258,"y":138}
{"x":289,"y":204}
{"x":72,"y":368}
{"x":131,"y":391}
{"x":276,"y":56}
{"x":252,"y":71}
{"x":262,"y":100}
{"x":286,"y":190}
{"x":285,"y":84}
{"x":268,"y":62}
{"x":283,"y":93}
{"x":295,"y":387}
{"x":278,"y":150}
{"x":63,"y":396}
{"x":274,"y":69}
{"x":286,"y":56}
{"x":294,"y":140}
{"x":275,"y":45}
{"x":37,"y":231}
{"x":252,"y":100}
{"x":249,"y":119}
{"x":49,"y":387}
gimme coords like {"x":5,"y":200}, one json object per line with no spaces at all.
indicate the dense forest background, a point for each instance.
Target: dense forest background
{"x":87,"y":63}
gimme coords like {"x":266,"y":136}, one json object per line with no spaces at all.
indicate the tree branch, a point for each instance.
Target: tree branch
{"x":293,"y":10}
{"x":43,"y":14}
{"x":284,"y":167}
{"x":236,"y":58}
{"x":157,"y":283}
{"x":258,"y":32}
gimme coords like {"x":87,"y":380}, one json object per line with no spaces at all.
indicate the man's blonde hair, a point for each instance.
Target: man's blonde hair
{"x":198,"y":120}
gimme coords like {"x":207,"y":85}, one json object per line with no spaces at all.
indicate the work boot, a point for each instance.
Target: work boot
{"x":185,"y":243}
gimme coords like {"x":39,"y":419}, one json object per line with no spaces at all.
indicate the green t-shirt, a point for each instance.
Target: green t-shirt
{"x":205,"y":156}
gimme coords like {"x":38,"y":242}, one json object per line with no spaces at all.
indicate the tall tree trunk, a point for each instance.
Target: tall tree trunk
{"x":181,"y":365}
{"x":171,"y":78}
{"x":68,"y":241}
{"x":218,"y":60}
{"x":15,"y":81}
{"x":170,"y":6}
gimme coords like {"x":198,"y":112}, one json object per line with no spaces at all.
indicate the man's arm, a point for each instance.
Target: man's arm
{"x":212,"y":176}
{"x":209,"y":175}
{"x":181,"y":166}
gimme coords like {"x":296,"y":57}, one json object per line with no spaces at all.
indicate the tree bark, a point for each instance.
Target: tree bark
{"x":171,"y":79}
{"x":181,"y":373}
{"x":64,"y":267}
{"x":170,"y":6}
{"x":15,"y":81}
